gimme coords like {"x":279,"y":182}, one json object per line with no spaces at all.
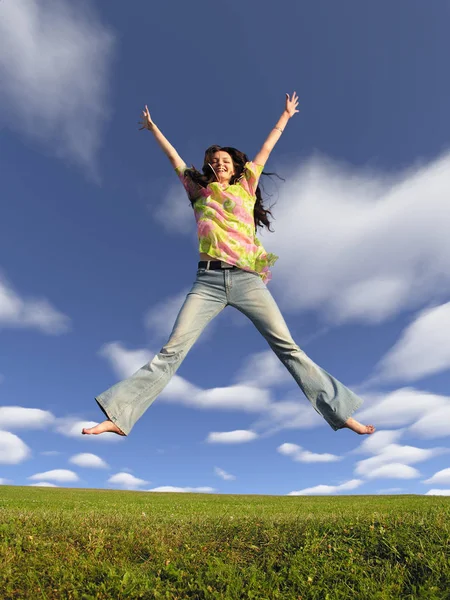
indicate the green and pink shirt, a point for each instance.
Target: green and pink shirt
{"x":225,"y":223}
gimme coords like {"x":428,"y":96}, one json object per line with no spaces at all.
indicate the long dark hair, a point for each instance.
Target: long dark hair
{"x":260,"y":213}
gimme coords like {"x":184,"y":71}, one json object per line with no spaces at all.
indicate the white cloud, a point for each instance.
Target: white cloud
{"x":17,"y":417}
{"x":56,"y":475}
{"x":88,"y":460}
{"x":125,"y":362}
{"x":234,"y":397}
{"x":160,"y":318}
{"x":192,"y":490}
{"x":395,"y":454}
{"x":393,"y":471}
{"x":12,"y":449}
{"x":72,"y":427}
{"x":180,"y":390}
{"x":43,"y":484}
{"x":392,"y":490}
{"x":379,"y":441}
{"x":299,"y":455}
{"x":223,"y":474}
{"x":174,"y":213}
{"x":4,"y":481}
{"x":263,"y":369}
{"x":127,"y":481}
{"x":371,"y":262}
{"x":30,"y":313}
{"x":433,"y":425}
{"x":55,"y":63}
{"x":401,"y":407}
{"x":328,"y":489}
{"x":438,"y":493}
{"x":239,"y":436}
{"x":423,"y":348}
{"x":288,"y":414}
{"x":440,"y":477}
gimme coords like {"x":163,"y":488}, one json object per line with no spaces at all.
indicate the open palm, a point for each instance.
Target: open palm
{"x":291,"y":104}
{"x":146,"y":120}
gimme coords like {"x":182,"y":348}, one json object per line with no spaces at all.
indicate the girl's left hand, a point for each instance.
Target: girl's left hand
{"x":291,"y":104}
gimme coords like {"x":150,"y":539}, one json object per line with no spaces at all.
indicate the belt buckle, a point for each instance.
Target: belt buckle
{"x":224,"y":265}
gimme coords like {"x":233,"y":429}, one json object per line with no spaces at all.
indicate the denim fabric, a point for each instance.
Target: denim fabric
{"x":126,"y":401}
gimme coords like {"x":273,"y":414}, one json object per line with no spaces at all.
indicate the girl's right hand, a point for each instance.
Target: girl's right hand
{"x":146,"y":120}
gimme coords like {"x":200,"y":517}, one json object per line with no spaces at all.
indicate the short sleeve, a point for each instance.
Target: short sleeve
{"x":192,"y":188}
{"x":250,"y":177}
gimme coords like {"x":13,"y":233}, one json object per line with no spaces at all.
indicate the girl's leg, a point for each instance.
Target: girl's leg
{"x":127,"y":400}
{"x":330,"y":398}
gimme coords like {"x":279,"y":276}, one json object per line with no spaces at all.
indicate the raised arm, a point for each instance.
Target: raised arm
{"x":289,"y":111}
{"x":163,"y":142}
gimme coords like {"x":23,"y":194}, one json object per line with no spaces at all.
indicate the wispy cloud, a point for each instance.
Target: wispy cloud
{"x":31,"y":313}
{"x":298,"y":454}
{"x":55,"y":66}
{"x":245,"y":398}
{"x":192,"y":490}
{"x":407,"y":406}
{"x":392,"y":490}
{"x":223,"y":474}
{"x":365,"y":261}
{"x":395,"y":453}
{"x":328,"y":489}
{"x":423,"y":348}
{"x":125,"y":362}
{"x":263,"y":369}
{"x":391,"y":460}
{"x":43,"y":484}
{"x":378,"y":441}
{"x":160,"y":318}
{"x":174,"y":213}
{"x":288,"y":414}
{"x":433,"y":425}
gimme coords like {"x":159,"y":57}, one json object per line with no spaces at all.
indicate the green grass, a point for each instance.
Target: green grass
{"x":71,"y":543}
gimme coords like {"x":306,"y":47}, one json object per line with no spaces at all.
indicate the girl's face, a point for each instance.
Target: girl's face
{"x":223,"y":166}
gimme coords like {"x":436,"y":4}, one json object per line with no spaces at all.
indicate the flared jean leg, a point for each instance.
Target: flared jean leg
{"x":126,"y":401}
{"x":329,"y":397}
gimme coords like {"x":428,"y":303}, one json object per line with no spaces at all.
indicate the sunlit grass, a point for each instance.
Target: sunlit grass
{"x":71,"y":543}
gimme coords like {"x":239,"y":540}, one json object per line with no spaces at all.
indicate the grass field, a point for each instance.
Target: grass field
{"x":72,"y":543}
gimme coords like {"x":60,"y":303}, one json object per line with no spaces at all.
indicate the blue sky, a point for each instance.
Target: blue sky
{"x":98,"y":242}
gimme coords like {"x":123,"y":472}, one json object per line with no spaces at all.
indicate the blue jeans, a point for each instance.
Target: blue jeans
{"x":213,"y":290}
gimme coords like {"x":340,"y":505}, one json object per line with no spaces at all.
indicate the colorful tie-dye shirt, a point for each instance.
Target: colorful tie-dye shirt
{"x":225,"y":224}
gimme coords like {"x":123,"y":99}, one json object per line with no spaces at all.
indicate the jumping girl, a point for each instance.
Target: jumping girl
{"x":233,"y":270}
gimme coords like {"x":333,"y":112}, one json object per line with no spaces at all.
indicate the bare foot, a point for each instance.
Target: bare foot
{"x":102,"y":427}
{"x":358,"y":427}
